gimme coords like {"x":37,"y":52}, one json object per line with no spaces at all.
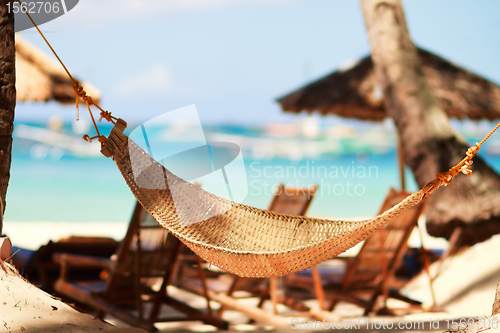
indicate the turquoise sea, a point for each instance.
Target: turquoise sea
{"x":354,"y":172}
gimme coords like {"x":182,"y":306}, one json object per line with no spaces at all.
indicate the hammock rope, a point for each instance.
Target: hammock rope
{"x":78,"y":89}
{"x":241,"y":239}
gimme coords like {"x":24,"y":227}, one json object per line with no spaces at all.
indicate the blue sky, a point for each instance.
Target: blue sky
{"x":232,"y":58}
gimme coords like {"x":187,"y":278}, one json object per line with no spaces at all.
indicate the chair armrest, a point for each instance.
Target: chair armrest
{"x":82,"y":261}
{"x":67,"y":260}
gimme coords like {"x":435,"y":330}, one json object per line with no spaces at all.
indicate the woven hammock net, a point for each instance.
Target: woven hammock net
{"x":239,"y":239}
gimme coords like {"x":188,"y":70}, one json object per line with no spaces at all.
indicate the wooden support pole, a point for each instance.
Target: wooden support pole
{"x":401,"y":164}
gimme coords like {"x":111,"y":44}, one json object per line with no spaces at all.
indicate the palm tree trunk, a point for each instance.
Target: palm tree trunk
{"x":430,"y":144}
{"x":7,"y":97}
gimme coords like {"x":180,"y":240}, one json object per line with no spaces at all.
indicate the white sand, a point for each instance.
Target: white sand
{"x":467,"y":282}
{"x":25,"y":308}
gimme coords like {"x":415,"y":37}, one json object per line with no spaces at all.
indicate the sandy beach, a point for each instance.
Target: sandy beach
{"x":25,"y":308}
{"x":465,"y":288}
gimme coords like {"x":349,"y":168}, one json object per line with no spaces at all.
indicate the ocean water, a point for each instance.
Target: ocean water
{"x":50,"y":183}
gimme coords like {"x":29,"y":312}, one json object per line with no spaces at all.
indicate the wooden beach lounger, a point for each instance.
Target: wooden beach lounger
{"x":145,"y":260}
{"x":39,"y":268}
{"x":368,"y":276}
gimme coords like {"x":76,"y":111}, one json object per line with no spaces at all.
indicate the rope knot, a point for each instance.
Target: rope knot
{"x":80,"y":93}
{"x":471,"y":152}
{"x":464,"y":167}
{"x":467,"y":162}
{"x":100,"y":138}
{"x":76,"y":85}
{"x":87,"y":99}
{"x":78,"y":89}
{"x":447,"y":177}
{"x":106,"y":115}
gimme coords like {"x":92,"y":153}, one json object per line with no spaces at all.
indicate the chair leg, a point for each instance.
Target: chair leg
{"x":373,"y":300}
{"x":264,"y":296}
{"x":204,"y":285}
{"x":273,"y":291}
{"x":162,"y":293}
{"x":332,"y":304}
{"x":137,"y":278}
{"x":318,"y":288}
{"x":450,"y":252}
{"x":230,"y":292}
{"x":100,"y":314}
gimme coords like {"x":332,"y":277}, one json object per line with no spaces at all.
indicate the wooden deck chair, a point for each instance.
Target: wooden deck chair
{"x":137,"y":274}
{"x":287,"y":200}
{"x":372,"y":270}
{"x":40,"y":269}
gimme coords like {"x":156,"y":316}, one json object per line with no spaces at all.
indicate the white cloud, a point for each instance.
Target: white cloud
{"x":156,"y":80}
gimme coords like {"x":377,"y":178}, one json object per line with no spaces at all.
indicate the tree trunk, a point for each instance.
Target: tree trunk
{"x":430,"y":144}
{"x":7,"y":97}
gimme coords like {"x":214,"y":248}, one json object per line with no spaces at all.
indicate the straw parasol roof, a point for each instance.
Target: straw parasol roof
{"x":40,"y":78}
{"x":353,"y":92}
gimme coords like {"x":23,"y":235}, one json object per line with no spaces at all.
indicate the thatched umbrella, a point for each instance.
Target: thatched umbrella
{"x":40,"y":78}
{"x":354,"y":93}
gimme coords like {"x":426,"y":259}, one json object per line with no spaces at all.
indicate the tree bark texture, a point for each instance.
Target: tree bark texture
{"x":430,"y":144}
{"x":7,"y":96}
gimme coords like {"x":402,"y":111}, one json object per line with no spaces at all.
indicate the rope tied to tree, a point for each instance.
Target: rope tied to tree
{"x":79,"y":92}
{"x":464,"y":166}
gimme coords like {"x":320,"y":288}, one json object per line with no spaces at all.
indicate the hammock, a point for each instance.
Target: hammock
{"x":242,"y":240}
